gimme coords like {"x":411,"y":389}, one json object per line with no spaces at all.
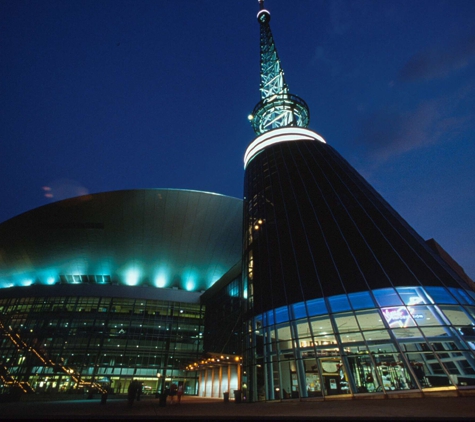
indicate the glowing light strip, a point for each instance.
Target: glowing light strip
{"x":287,"y":134}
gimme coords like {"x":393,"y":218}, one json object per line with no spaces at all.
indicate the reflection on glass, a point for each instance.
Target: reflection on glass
{"x":425,"y":315}
{"x":335,"y":378}
{"x":435,"y":332}
{"x":369,"y":320}
{"x":398,"y":317}
{"x":440,"y":295}
{"x":456,"y":315}
{"x":412,"y":295}
{"x":351,"y":338}
{"x":462,"y":296}
{"x":364,"y":374}
{"x":402,"y":333}
{"x":346,"y":322}
{"x":376,"y":335}
{"x":387,"y":297}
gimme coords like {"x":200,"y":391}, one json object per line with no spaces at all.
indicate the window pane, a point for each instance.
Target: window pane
{"x":321,"y":326}
{"x":381,"y":348}
{"x":456,"y":315}
{"x":376,"y":335}
{"x":398,"y":317}
{"x":364,"y":374}
{"x":387,"y":297}
{"x":283,"y":332}
{"x":471,"y":311}
{"x":281,"y":315}
{"x":326,"y":345}
{"x":268,"y":318}
{"x":425,"y":315}
{"x":462,"y":296}
{"x":299,"y":310}
{"x":420,"y":367}
{"x":407,"y":333}
{"x":361,"y":300}
{"x":303,"y":330}
{"x":339,"y":303}
{"x":393,"y":372}
{"x":346,"y":322}
{"x":436,"y":332}
{"x":369,"y":320}
{"x":316,"y":307}
{"x":412,"y":295}
{"x":351,"y":338}
{"x":440,"y":295}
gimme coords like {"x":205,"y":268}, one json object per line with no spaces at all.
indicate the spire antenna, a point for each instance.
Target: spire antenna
{"x":278,"y":107}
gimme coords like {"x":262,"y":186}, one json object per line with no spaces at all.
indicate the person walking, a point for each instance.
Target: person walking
{"x":132,"y":392}
{"x":179,"y":392}
{"x":173,"y":391}
{"x":139,"y":389}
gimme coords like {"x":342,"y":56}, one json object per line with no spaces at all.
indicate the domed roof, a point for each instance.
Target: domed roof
{"x":159,"y":237}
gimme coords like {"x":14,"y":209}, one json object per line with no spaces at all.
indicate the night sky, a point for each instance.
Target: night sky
{"x":108,"y":95}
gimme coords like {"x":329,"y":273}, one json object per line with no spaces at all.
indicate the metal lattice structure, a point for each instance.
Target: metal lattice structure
{"x":278,"y":107}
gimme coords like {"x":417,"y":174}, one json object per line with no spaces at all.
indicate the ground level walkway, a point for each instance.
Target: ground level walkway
{"x":117,"y":407}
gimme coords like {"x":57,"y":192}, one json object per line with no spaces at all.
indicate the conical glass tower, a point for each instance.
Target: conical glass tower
{"x":344,"y":297}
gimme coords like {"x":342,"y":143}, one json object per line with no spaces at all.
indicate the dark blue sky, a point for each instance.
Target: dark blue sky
{"x":106,"y":95}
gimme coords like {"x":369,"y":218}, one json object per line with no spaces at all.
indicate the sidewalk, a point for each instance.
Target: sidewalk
{"x":444,"y":408}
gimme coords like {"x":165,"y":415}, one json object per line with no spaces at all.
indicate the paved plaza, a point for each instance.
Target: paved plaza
{"x":213,"y":409}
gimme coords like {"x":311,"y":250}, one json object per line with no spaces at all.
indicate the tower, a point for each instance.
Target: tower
{"x":344,"y":297}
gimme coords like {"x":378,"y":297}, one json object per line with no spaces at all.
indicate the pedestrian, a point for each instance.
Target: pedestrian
{"x":179,"y":392}
{"x":173,"y":391}
{"x":132,"y":392}
{"x":105,"y":393}
{"x":139,"y":390}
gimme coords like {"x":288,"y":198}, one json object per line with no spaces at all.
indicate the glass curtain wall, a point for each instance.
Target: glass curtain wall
{"x":99,"y":339}
{"x":352,"y":344}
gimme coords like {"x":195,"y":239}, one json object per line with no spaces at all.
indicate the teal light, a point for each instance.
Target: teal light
{"x":214,"y":276}
{"x":189,"y":279}
{"x":50,"y":281}
{"x":26,"y":282}
{"x":77,"y":267}
{"x":190,"y":285}
{"x":132,"y":277}
{"x":161,"y":279}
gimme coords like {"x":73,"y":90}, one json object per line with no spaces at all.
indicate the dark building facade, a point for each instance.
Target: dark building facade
{"x":334,"y":234}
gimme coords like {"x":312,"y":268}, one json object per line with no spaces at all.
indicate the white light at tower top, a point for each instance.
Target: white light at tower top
{"x":285,"y":134}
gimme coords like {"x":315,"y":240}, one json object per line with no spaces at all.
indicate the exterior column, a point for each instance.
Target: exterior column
{"x":220,"y":375}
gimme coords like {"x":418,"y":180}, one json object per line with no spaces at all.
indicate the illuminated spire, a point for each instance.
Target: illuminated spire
{"x":278,"y":107}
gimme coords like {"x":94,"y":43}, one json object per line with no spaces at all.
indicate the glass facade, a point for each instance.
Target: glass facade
{"x":61,"y":344}
{"x":344,"y":296}
{"x":223,"y":319}
{"x":330,"y":347}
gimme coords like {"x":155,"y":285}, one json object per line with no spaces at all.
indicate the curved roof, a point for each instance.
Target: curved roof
{"x":159,"y":237}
